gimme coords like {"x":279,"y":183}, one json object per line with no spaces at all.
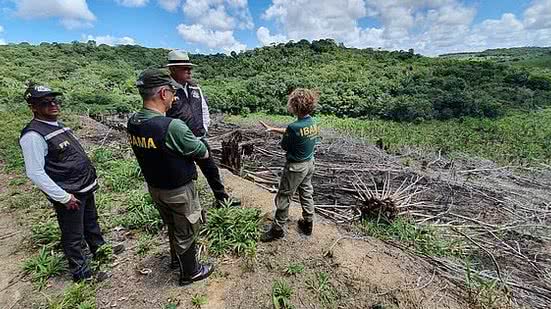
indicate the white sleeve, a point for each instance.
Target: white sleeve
{"x":34,"y":149}
{"x":206,"y":114}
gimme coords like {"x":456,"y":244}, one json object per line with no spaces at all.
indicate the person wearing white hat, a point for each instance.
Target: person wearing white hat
{"x":192,"y":108}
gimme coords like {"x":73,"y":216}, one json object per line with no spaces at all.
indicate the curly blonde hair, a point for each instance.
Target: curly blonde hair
{"x":302,"y":101}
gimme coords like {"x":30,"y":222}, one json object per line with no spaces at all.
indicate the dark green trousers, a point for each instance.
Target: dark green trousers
{"x":297,"y":176}
{"x":181,"y":212}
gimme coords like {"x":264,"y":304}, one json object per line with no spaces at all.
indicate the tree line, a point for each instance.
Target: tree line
{"x":361,"y":83}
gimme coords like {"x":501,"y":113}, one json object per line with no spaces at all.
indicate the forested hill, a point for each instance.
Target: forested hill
{"x":396,"y":85}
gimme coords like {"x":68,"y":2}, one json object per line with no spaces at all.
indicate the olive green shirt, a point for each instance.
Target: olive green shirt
{"x":179,"y":137}
{"x":300,"y":139}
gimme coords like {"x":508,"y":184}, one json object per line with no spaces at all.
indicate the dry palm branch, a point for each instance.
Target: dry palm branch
{"x":378,"y":201}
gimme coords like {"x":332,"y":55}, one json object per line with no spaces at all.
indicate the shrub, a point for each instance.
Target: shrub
{"x":232,"y":229}
{"x":43,"y":266}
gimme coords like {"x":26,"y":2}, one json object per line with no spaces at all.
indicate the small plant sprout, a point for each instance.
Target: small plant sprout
{"x":281,"y":295}
{"x":294,"y":269}
{"x":199,"y":300}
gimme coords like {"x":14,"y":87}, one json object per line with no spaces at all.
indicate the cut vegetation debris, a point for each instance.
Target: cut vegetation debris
{"x":496,"y":217}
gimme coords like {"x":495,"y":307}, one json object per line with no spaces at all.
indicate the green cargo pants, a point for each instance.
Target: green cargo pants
{"x":181,"y":212}
{"x":296,"y":176}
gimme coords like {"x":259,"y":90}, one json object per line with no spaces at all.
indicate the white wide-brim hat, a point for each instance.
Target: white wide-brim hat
{"x":179,"y":58}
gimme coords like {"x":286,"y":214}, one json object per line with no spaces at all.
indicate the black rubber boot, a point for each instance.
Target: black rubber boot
{"x":190,"y":269}
{"x":305,"y":227}
{"x":272,"y":234}
{"x":174,"y":264}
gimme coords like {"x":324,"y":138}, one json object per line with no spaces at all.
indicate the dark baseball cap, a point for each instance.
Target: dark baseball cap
{"x":152,"y":78}
{"x":34,"y":92}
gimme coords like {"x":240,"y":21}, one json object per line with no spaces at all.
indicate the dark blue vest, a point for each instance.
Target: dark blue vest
{"x":161,"y":167}
{"x":66,"y":162}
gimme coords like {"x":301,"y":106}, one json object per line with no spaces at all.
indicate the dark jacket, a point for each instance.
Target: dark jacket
{"x":189,"y":108}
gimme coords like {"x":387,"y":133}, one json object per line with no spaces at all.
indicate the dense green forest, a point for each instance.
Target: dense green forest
{"x":361,"y":83}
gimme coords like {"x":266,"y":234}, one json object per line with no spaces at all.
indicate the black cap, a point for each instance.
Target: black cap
{"x":152,"y":78}
{"x":34,"y":92}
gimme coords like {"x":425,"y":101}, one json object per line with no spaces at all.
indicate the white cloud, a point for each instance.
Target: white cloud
{"x":170,"y":5}
{"x":265,"y":38}
{"x":538,"y":15}
{"x":212,"y":23}
{"x":429,"y":26}
{"x":72,"y":13}
{"x":214,"y":39}
{"x":109,"y":40}
{"x":316,"y":19}
{"x":219,"y":14}
{"x":2,"y":42}
{"x":132,"y":3}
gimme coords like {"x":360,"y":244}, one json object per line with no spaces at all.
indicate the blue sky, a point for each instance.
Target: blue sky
{"x":209,"y":26}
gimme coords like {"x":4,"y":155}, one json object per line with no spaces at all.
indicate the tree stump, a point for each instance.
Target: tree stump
{"x":231,"y":156}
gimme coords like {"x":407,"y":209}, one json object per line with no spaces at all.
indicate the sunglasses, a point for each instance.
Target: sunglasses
{"x":47,"y":101}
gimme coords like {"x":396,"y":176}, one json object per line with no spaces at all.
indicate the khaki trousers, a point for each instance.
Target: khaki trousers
{"x":181,"y":212}
{"x":296,"y":176}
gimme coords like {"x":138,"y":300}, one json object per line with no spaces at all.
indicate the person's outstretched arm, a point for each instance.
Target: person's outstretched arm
{"x":273,"y":129}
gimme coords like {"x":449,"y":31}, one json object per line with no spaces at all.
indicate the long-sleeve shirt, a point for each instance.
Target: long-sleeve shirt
{"x":35,"y":149}
{"x":179,"y":137}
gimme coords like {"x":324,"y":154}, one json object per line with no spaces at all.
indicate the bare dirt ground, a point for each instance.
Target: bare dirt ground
{"x":364,"y":272}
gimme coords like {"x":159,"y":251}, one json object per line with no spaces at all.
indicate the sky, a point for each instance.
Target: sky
{"x":430,"y":27}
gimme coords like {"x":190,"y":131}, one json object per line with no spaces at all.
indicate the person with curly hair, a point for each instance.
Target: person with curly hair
{"x":299,"y":141}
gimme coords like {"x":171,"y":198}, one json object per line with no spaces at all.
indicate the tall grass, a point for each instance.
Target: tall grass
{"x":516,"y":138}
{"x":423,"y":239}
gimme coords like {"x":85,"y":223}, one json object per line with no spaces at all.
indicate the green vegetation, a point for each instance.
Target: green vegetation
{"x":353,"y":82}
{"x":232,"y":229}
{"x":199,"y":300}
{"x":43,"y":266}
{"x":13,"y":122}
{"x":45,"y":232}
{"x":140,"y":213}
{"x":423,"y":239}
{"x":146,"y":242}
{"x":294,"y":269}
{"x":80,"y":295}
{"x":519,"y":137}
{"x":281,"y":295}
{"x":486,"y":294}
{"x":118,"y":172}
{"x":322,"y":287}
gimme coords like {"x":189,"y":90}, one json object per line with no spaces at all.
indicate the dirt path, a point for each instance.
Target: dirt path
{"x":368,"y":271}
{"x":362,"y":273}
{"x":12,"y":286}
{"x":12,"y":289}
